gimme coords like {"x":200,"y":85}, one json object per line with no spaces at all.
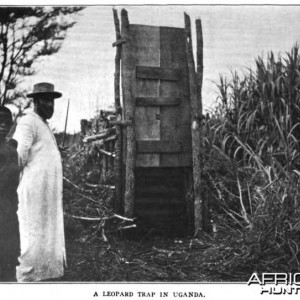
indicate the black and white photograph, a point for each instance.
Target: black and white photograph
{"x":149,"y":150}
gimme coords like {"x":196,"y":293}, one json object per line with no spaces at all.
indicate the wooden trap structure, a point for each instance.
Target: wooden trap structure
{"x":158,"y":146}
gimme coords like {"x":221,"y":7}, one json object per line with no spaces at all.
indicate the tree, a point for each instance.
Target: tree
{"x":26,"y":34}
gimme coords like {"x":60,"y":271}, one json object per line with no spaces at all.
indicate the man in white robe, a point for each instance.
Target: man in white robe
{"x":40,"y":191}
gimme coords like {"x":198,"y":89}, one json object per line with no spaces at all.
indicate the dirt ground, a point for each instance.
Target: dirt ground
{"x":98,"y":252}
{"x":152,"y":258}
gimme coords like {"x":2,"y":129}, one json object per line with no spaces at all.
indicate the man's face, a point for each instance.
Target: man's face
{"x":5,"y":124}
{"x":45,"y":107}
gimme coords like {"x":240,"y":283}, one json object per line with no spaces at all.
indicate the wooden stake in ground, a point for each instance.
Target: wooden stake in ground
{"x":196,"y":139}
{"x":104,"y":163}
{"x":199,"y":37}
{"x":205,"y":207}
{"x":118,"y":143}
{"x":66,"y":122}
{"x":128,"y":76}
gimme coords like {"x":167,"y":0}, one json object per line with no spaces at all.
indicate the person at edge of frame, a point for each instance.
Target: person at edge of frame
{"x":9,"y":180}
{"x":43,"y":254}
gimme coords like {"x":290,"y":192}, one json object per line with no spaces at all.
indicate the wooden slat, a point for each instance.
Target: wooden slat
{"x":147,"y":160}
{"x":157,"y":101}
{"x":157,"y":73}
{"x":147,"y":124}
{"x":160,"y":198}
{"x":147,"y":52}
{"x":121,"y":122}
{"x":175,"y":120}
{"x":119,"y":42}
{"x":158,"y":147}
{"x":176,"y":159}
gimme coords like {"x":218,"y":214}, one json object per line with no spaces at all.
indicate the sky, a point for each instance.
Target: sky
{"x":234,"y":35}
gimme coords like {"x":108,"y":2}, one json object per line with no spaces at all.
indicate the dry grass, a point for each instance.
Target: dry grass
{"x":254,"y":132}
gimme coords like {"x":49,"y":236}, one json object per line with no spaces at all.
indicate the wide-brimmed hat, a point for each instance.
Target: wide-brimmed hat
{"x":44,"y":88}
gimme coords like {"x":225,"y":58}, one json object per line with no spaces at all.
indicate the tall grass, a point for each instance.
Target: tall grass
{"x":253,"y":137}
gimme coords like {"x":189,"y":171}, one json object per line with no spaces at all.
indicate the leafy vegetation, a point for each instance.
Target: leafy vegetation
{"x":252,"y":166}
{"x":26,"y":34}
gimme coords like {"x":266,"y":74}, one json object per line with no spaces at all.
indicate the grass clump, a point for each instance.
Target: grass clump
{"x":252,"y":149}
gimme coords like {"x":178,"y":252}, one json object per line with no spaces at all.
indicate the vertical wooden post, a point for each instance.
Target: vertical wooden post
{"x":128,"y":78}
{"x":111,"y":159}
{"x":83,"y":123}
{"x":66,"y":123}
{"x":104,"y":163}
{"x":205,"y":207}
{"x":199,"y":37}
{"x":106,"y":159}
{"x":118,"y":143}
{"x":82,"y":131}
{"x":196,"y":139}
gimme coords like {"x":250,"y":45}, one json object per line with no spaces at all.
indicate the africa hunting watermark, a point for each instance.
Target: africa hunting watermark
{"x":277,"y":283}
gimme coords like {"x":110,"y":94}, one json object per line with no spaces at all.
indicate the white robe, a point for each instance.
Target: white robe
{"x":40,"y":201}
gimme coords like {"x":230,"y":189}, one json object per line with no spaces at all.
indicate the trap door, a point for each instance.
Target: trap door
{"x":162,"y":114}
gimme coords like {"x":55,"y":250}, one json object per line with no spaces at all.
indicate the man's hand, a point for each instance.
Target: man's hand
{"x":64,"y":151}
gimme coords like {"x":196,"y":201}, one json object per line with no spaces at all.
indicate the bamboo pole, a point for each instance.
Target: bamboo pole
{"x":128,"y":77}
{"x":118,"y":142}
{"x":196,"y":140}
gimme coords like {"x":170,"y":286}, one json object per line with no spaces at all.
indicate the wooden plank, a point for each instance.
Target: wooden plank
{"x":169,"y":174}
{"x":161,"y":190}
{"x":158,"y":147}
{"x":157,"y":101}
{"x":147,"y":124}
{"x":147,"y":160}
{"x":147,"y":52}
{"x":146,"y":44}
{"x":176,"y":160}
{"x":175,"y":120}
{"x":121,"y":123}
{"x":145,"y":72}
{"x":159,"y":200}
